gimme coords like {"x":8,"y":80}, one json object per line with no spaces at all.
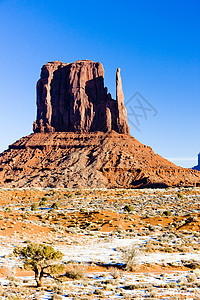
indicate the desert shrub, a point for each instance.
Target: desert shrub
{"x":168,"y":249}
{"x":192,"y":264}
{"x":13,"y":281}
{"x":16,"y":297}
{"x":8,"y":209}
{"x":25,"y":216}
{"x":75,"y":272}
{"x":56,"y":297}
{"x":153,"y":294}
{"x":58,"y":289}
{"x":197,"y":272}
{"x":149,"y":246}
{"x":172,"y":284}
{"x":108,"y":287}
{"x":108,"y":281}
{"x":1,"y":290}
{"x":115,"y":273}
{"x":98,"y":292}
{"x":191,"y":278}
{"x":34,"y":207}
{"x":167,"y":213}
{"x":136,"y":286}
{"x":128,"y":208}
{"x":180,"y":195}
{"x":55,"y":205}
{"x":68,"y":195}
{"x":130,"y":256}
{"x":131,"y":287}
{"x":43,"y":201}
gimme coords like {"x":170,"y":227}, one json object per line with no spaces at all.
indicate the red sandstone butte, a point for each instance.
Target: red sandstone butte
{"x":72,"y":98}
{"x":81,"y":138}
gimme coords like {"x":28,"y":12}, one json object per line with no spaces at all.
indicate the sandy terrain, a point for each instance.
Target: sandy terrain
{"x":96,"y":230}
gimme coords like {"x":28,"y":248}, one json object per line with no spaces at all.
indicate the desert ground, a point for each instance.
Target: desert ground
{"x":117,"y":244}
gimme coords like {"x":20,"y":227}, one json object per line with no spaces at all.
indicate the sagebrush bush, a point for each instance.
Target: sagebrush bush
{"x":128,"y":208}
{"x":180,"y":196}
{"x":167,"y":213}
{"x":8,"y":209}
{"x":191,"y":277}
{"x":34,"y":207}
{"x":55,"y":205}
{"x":75,"y":272}
{"x":58,"y":289}
{"x":56,"y":297}
{"x":42,"y":202}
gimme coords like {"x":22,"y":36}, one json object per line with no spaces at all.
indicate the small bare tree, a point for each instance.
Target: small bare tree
{"x":130,"y":256}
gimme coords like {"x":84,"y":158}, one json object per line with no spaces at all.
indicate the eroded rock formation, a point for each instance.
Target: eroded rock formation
{"x":72,"y":97}
{"x":81,"y":139}
{"x":121,"y":109}
{"x":198,"y":166}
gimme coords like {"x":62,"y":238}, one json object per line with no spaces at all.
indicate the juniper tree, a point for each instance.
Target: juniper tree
{"x":42,"y":259}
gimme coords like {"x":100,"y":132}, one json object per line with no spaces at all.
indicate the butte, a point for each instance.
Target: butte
{"x":81,"y":138}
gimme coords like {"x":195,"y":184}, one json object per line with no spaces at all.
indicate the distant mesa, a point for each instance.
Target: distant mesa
{"x":81,"y":138}
{"x":198,"y":166}
{"x":72,"y":98}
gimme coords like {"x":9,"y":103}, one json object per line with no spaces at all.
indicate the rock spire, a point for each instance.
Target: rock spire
{"x":122,"y":115}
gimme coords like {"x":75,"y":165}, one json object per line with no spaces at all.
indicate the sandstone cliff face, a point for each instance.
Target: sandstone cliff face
{"x":72,"y":97}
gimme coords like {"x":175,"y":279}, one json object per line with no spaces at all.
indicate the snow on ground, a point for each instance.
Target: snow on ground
{"x":106,"y":249}
{"x":98,"y":250}
{"x":108,"y":252}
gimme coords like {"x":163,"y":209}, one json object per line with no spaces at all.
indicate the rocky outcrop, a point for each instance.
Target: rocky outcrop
{"x":72,"y":98}
{"x":198,"y":166}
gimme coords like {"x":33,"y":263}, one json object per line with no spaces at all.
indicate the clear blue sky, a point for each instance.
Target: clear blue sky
{"x":156,"y":44}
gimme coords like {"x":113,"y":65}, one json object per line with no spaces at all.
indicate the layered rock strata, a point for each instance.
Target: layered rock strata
{"x":88,"y":160}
